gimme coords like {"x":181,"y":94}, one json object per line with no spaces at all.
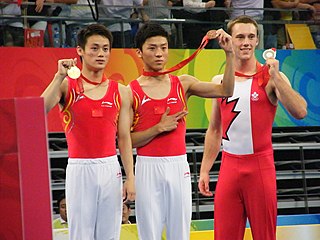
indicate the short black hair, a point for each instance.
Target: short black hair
{"x":91,"y":30}
{"x":149,"y":30}
{"x":61,"y":197}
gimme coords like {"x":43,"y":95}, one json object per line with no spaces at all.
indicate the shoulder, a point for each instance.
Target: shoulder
{"x":187,"y":80}
{"x":185,"y":77}
{"x":217,"y":78}
{"x":123,"y":90}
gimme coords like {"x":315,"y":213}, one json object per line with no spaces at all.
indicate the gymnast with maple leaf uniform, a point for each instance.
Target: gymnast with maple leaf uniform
{"x":246,"y":185}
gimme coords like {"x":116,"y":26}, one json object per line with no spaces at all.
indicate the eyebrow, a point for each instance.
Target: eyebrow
{"x":97,"y":44}
{"x":154,"y":44}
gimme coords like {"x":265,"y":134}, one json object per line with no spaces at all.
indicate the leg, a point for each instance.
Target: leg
{"x":109,"y":212}
{"x":81,"y":198}
{"x":149,"y":198}
{"x":229,"y":213}
{"x":260,"y":197}
{"x":179,"y":199}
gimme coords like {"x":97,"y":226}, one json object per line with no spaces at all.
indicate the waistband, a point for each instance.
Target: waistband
{"x":84,"y":161}
{"x":154,"y":160}
{"x":264,"y":153}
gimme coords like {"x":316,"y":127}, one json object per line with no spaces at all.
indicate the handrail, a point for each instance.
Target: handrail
{"x":169,"y":20}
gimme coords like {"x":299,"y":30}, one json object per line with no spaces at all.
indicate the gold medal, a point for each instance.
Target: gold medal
{"x":74,"y":72}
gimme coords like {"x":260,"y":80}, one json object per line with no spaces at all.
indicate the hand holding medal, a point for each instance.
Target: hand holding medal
{"x":74,"y":72}
{"x":269,"y":53}
{"x":262,"y":73}
{"x":68,"y":67}
{"x":212,"y":34}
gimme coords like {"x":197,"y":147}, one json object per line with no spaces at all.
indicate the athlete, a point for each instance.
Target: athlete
{"x":94,"y":112}
{"x":246,"y":186}
{"x":159,"y":108}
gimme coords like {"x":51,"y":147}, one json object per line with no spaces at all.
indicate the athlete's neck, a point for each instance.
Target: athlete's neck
{"x":247,"y":66}
{"x":93,"y":76}
{"x":159,"y":78}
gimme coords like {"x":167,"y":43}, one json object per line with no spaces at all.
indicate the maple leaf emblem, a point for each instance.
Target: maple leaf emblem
{"x":228,"y":106}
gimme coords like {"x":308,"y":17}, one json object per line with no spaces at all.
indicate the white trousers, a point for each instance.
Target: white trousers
{"x":163,"y":197}
{"x":94,"y":198}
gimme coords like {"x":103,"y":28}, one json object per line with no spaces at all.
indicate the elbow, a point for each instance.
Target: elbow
{"x":301,"y":114}
{"x":134,"y":143}
{"x":228,"y":92}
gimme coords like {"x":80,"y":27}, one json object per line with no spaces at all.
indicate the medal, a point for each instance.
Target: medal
{"x":269,"y":53}
{"x":74,"y":72}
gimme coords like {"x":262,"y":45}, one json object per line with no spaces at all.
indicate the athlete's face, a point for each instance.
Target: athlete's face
{"x":96,"y":53}
{"x":63,"y":209}
{"x":245,"y":40}
{"x":125,"y":213}
{"x":154,"y":53}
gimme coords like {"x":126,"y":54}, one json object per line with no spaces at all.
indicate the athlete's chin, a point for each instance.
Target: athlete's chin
{"x":158,"y":68}
{"x":245,"y":56}
{"x":99,"y":67}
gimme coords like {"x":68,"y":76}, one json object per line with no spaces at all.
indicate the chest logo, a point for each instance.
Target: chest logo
{"x":172,"y":101}
{"x":254,"y":96}
{"x":106,"y":104}
{"x":145,"y":99}
{"x":79,"y":97}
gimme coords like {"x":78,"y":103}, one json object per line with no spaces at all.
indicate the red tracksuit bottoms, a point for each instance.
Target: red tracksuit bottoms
{"x":246,"y":188}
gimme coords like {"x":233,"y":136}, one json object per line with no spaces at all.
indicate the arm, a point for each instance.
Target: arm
{"x":284,"y":5}
{"x":225,"y":88}
{"x":310,"y":1}
{"x":124,"y":144}
{"x":212,"y":145}
{"x":39,"y":5}
{"x":142,"y":12}
{"x":197,"y":4}
{"x":166,"y":124}
{"x":63,"y":1}
{"x":295,"y":4}
{"x":293,"y":102}
{"x":58,"y":87}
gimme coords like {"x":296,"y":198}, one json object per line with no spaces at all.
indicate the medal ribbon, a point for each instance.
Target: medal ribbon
{"x":79,"y":88}
{"x":204,"y":42}
{"x":262,"y":74}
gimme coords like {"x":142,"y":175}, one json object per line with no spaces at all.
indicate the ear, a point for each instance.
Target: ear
{"x":79,"y":51}
{"x":139,"y":53}
{"x":258,"y":40}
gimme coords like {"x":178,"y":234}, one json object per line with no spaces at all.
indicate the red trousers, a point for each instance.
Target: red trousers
{"x":246,"y":188}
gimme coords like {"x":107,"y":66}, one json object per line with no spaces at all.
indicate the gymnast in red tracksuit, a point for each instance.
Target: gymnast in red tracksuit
{"x":246,"y":185}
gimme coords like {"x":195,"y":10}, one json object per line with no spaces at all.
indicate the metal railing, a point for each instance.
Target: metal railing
{"x":179,"y":23}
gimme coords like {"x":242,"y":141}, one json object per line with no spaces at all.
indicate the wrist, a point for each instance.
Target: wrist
{"x":229,"y":53}
{"x":59,"y":77}
{"x":130,"y":177}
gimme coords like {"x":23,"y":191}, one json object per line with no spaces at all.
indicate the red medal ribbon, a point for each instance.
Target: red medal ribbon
{"x":204,"y":42}
{"x":104,"y":78}
{"x":262,"y":74}
{"x":80,"y":89}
